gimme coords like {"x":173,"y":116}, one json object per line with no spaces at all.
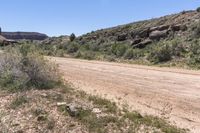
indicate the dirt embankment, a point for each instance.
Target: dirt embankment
{"x":173,"y":94}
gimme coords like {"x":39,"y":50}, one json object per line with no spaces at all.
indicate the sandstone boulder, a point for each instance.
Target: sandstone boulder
{"x":160,"y":28}
{"x":156,"y":35}
{"x":178,"y":27}
{"x":144,"y":33}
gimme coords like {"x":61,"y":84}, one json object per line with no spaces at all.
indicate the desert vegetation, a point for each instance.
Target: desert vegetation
{"x":165,"y":41}
{"x":32,"y":87}
{"x":23,"y":67}
{"x":174,"y":52}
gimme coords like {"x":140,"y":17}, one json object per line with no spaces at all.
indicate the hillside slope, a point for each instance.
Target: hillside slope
{"x":169,"y":40}
{"x":167,"y":27}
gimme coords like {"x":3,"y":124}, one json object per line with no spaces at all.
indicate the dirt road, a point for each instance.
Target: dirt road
{"x":172,"y":94}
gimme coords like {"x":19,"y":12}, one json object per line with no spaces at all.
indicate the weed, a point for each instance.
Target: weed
{"x":19,"y":101}
{"x":51,"y":124}
{"x":110,"y":106}
{"x":94,"y":123}
{"x":152,"y":122}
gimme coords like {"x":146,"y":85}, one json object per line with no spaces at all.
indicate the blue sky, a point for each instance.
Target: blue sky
{"x":62,"y":17}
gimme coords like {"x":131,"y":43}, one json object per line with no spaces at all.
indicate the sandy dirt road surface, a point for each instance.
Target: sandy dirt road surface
{"x":172,"y":94}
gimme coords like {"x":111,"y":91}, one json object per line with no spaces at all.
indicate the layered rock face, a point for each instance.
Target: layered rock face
{"x":24,"y":35}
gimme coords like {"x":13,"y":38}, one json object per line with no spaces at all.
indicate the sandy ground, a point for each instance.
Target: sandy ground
{"x":172,"y":94}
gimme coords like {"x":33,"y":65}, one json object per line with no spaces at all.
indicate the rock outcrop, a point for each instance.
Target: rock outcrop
{"x":156,"y":35}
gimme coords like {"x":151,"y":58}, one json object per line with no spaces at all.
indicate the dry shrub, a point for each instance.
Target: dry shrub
{"x":24,"y":68}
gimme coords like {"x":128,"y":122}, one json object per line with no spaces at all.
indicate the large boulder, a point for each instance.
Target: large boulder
{"x":178,"y":27}
{"x":143,"y":33}
{"x":143,"y":43}
{"x":160,"y":28}
{"x":156,"y":35}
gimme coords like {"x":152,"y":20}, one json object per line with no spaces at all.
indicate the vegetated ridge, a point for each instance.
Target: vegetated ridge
{"x":169,"y":40}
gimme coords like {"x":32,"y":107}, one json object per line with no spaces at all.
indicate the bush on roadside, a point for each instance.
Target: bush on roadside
{"x":72,"y":47}
{"x":24,"y":68}
{"x":194,"y":55}
{"x":128,"y":54}
{"x":160,"y":54}
{"x":88,"y":55}
{"x":118,"y":49}
{"x":177,"y":48}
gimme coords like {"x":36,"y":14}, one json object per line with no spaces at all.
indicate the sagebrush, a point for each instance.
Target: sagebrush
{"x":23,"y":67}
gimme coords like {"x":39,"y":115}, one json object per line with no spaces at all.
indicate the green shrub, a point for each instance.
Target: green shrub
{"x":195,"y":29}
{"x":152,"y":122}
{"x":72,"y":37}
{"x":198,"y":9}
{"x":85,"y":47}
{"x":194,"y":55}
{"x":160,"y":54}
{"x":118,"y":49}
{"x":19,"y":101}
{"x":95,"y":124}
{"x":24,"y":68}
{"x":128,"y":54}
{"x":89,"y":55}
{"x":94,"y":47}
{"x":177,"y":49}
{"x":110,"y":106}
{"x":78,"y":54}
{"x":109,"y":58}
{"x":137,"y":53}
{"x":72,"y":47}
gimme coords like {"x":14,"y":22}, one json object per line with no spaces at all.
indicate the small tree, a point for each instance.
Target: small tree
{"x":198,"y":9}
{"x":72,"y":37}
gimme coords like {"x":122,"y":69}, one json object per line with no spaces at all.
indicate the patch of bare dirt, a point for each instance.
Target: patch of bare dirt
{"x":39,"y":114}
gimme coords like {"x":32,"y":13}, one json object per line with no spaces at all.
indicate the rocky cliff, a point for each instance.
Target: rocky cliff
{"x":24,"y":35}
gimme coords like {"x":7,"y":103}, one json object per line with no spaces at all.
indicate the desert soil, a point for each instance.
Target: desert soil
{"x":172,"y":94}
